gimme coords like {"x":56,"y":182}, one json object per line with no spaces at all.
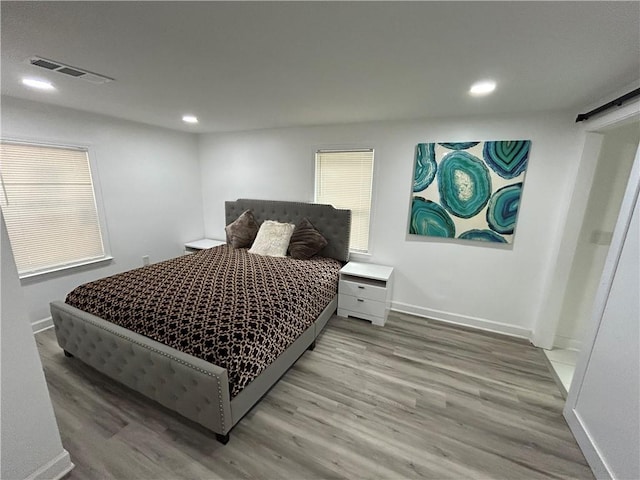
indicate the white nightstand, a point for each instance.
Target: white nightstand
{"x":202,"y":244}
{"x":365,"y":291}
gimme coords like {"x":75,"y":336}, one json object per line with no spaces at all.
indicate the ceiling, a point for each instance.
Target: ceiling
{"x":249,"y":65}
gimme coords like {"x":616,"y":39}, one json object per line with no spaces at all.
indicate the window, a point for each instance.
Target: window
{"x":49,"y":207}
{"x":344,"y":179}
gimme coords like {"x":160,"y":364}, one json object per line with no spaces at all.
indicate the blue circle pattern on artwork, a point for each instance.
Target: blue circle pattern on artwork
{"x":503,"y":208}
{"x":464,"y":184}
{"x":458,"y":145}
{"x":429,"y":218}
{"x":508,"y":158}
{"x":426,"y":166}
{"x":483,"y":236}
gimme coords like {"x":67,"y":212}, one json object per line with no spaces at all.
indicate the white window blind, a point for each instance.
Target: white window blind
{"x":49,"y":206}
{"x":344,"y":179}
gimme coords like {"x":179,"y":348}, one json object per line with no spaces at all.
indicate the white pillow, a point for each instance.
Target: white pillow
{"x":272,"y":239}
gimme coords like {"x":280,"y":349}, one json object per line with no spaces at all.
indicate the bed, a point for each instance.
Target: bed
{"x":210,"y":390}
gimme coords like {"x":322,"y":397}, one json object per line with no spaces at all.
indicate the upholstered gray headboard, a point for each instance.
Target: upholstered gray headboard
{"x":334,"y":224}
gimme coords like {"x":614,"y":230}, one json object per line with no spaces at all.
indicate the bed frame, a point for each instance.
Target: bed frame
{"x":194,"y":388}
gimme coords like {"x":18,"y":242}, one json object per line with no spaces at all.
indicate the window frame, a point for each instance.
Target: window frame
{"x":364,"y":146}
{"x":97,"y":194}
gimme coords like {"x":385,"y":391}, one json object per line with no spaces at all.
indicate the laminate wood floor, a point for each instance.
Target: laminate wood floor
{"x":414,"y":399}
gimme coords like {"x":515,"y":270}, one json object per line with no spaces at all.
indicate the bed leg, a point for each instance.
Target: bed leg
{"x":312,"y":346}
{"x":67,"y":354}
{"x":223,"y":439}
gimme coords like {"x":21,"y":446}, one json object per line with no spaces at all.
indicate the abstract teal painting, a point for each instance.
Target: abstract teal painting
{"x":468,"y":190}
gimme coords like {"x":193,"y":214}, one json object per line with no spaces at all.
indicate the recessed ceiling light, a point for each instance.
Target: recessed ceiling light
{"x":39,"y":84}
{"x":483,"y":87}
{"x":190,"y":119}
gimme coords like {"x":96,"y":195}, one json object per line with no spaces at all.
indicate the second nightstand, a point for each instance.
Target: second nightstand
{"x":365,"y":291}
{"x":202,"y":244}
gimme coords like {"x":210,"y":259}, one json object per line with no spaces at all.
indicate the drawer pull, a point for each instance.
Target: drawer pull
{"x":360,"y":300}
{"x":361,"y":287}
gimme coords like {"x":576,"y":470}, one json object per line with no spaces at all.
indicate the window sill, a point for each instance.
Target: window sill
{"x":40,"y":273}
{"x":365,"y":256}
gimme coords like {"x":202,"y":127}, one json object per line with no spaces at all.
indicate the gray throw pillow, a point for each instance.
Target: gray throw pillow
{"x":242,"y":232}
{"x":306,"y":241}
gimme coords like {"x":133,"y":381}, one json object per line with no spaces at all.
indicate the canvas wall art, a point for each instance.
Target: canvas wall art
{"x":468,"y":190}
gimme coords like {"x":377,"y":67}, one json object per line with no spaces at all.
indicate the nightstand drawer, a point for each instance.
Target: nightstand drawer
{"x":362,"y":305}
{"x":362,"y":289}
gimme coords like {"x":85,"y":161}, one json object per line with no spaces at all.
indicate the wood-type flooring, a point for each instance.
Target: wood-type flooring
{"x":413,"y":399}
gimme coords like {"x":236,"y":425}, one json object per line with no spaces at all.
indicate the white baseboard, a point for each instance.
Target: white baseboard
{"x":40,"y":325}
{"x":567,"y":342}
{"x":55,"y":469}
{"x":467,"y":321}
{"x":564,"y":391}
{"x":585,"y":442}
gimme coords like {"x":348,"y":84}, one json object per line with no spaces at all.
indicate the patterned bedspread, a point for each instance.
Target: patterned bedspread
{"x":226,"y":306}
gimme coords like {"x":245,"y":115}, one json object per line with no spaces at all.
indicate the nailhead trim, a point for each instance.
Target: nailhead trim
{"x":149,"y":347}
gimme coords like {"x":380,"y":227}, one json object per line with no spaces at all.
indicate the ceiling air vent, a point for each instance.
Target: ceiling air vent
{"x":69,"y":70}
{"x":44,"y":64}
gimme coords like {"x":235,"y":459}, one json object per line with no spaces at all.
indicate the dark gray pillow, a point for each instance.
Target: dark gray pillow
{"x":242,"y":232}
{"x":306,"y":241}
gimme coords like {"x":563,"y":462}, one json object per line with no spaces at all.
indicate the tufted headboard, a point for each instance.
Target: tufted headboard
{"x":334,"y":224}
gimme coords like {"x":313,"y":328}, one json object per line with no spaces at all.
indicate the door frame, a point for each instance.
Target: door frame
{"x":575,"y":422}
{"x":548,"y":316}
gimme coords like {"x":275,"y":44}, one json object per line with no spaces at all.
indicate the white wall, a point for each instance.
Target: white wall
{"x":149,"y":182}
{"x":30,"y":441}
{"x":156,"y":184}
{"x":475,"y":284}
